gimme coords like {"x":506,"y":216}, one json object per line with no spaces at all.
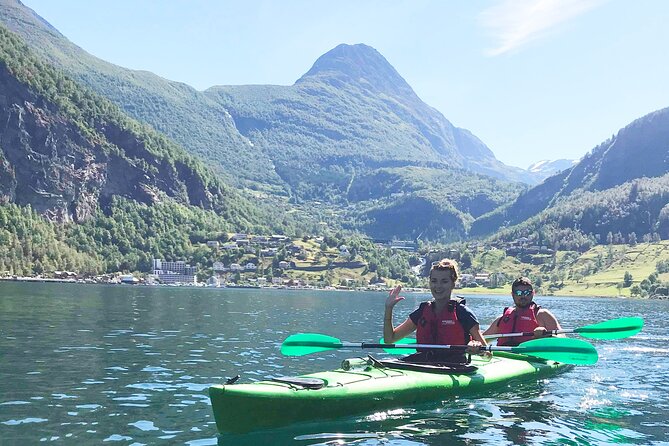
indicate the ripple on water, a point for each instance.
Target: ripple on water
{"x":117,"y":437}
{"x":134,"y":397}
{"x":653,"y":350}
{"x":25,"y":421}
{"x":155,"y":369}
{"x":144,"y":425}
{"x":193,"y":387}
{"x":337,"y":436}
{"x":63,"y":396}
{"x":604,"y":426}
{"x":144,"y":335}
{"x":91,"y":382}
{"x":158,"y":387}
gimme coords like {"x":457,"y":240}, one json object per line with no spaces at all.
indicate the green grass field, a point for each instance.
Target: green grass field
{"x":597,"y":272}
{"x":610,"y":263}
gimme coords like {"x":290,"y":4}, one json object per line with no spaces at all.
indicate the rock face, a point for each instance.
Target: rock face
{"x":65,"y":164}
{"x":175,"y":109}
{"x":47,"y":163}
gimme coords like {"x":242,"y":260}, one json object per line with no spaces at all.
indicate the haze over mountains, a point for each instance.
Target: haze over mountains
{"x":351,"y":142}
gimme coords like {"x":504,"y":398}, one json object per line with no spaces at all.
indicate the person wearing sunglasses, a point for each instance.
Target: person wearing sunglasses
{"x":444,"y":320}
{"x":524,"y":317}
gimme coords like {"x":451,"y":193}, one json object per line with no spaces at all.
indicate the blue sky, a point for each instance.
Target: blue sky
{"x":534,"y":79}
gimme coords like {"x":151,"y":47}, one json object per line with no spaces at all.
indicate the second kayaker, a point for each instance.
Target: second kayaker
{"x":444,"y":320}
{"x":524,"y":317}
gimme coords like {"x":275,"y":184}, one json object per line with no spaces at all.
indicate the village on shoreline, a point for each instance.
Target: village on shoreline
{"x":467,"y":291}
{"x":316,"y":263}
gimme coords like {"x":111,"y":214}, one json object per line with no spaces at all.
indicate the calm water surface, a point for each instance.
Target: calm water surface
{"x":88,"y":364}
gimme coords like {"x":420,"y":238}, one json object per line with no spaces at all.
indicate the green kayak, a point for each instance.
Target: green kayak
{"x":363,"y":385}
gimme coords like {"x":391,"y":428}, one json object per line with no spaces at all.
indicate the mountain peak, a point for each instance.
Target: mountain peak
{"x":359,"y":64}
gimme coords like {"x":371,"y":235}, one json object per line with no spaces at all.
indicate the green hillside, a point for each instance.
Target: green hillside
{"x":348,"y":146}
{"x":350,"y":115}
{"x":640,"y":261}
{"x":638,"y":270}
{"x":621,"y":186}
{"x":635,"y":211}
{"x":184,"y":114}
{"x":61,"y":122}
{"x":112,"y":192}
{"x":352,"y":112}
{"x":124,"y":238}
{"x":429,"y":203}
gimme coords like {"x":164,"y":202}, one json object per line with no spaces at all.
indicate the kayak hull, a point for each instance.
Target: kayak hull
{"x":240,"y":408}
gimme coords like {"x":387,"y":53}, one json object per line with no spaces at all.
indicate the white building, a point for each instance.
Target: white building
{"x":219,"y":266}
{"x":174,"y":272}
{"x":482,"y":278}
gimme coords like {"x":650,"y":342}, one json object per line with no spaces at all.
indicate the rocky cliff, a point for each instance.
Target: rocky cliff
{"x":65,"y":151}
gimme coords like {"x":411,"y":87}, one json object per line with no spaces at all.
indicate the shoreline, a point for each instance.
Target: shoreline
{"x":458,"y":291}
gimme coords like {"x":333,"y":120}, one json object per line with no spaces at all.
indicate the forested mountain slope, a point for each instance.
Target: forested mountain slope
{"x":351,"y":112}
{"x":317,"y":140}
{"x":72,"y":156}
{"x":187,"y":116}
{"x":619,"y":186}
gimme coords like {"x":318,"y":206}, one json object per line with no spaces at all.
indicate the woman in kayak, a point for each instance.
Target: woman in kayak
{"x":524,"y":317}
{"x":443,"y":320}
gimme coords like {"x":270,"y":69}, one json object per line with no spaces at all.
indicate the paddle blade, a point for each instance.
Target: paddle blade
{"x":623,"y":327}
{"x":400,"y":351}
{"x":566,"y":350}
{"x":301,"y":344}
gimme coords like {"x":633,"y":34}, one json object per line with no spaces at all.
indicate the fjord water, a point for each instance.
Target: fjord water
{"x":96,"y":364}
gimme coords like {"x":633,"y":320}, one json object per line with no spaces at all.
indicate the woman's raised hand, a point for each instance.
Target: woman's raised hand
{"x":394,"y":297}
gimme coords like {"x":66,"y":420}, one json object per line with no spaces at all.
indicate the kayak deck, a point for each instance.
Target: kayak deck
{"x":364,"y":388}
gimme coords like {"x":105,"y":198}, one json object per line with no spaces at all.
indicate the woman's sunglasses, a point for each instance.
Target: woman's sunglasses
{"x":522,"y":293}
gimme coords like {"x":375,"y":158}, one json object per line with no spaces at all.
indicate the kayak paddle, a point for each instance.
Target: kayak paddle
{"x":620,"y":328}
{"x":400,"y":351}
{"x":568,"y":351}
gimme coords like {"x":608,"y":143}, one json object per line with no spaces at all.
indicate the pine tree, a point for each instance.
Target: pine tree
{"x":627,"y":279}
